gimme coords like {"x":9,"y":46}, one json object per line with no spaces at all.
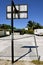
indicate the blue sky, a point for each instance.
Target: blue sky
{"x":35,"y":12}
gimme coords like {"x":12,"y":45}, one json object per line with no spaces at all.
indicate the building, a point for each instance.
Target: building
{"x":38,"y":31}
{"x":4,"y":33}
{"x":17,"y":31}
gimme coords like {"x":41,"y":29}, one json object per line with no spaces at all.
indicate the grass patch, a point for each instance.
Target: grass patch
{"x":37,"y":62}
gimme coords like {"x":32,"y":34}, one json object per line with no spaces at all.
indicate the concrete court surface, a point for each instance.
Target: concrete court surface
{"x":19,"y":52}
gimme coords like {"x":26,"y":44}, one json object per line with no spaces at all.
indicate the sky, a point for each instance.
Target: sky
{"x":35,"y":12}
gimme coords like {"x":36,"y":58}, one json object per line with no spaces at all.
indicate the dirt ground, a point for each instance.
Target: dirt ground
{"x":4,"y":62}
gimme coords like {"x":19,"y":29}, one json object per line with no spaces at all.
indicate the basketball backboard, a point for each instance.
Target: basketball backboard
{"x":20,"y":12}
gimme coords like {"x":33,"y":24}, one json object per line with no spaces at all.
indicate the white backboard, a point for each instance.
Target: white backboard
{"x":22,"y":12}
{"x":23,"y":7}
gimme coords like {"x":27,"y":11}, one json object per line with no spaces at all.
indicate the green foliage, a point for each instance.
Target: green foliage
{"x":22,"y":31}
{"x":5,"y":27}
{"x":31,"y":31}
{"x":33,"y":25}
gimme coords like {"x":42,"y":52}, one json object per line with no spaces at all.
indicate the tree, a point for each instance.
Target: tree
{"x":33,"y":25}
{"x":38,"y":26}
{"x":6,"y":27}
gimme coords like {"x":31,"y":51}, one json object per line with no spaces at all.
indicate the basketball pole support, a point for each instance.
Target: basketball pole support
{"x":12,"y":42}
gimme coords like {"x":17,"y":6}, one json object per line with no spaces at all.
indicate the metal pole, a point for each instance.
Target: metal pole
{"x":36,"y":45}
{"x":12,"y":42}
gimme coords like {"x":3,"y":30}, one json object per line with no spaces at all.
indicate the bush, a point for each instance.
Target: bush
{"x":22,"y":31}
{"x":31,"y":31}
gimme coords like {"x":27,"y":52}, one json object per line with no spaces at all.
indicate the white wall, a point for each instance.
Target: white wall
{"x":7,"y":33}
{"x":2,"y":33}
{"x":38,"y":31}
